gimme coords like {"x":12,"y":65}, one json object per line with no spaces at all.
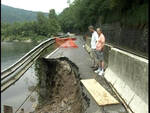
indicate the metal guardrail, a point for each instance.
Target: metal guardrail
{"x":23,"y":64}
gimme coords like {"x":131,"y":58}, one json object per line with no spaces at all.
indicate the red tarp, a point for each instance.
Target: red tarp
{"x":66,"y":42}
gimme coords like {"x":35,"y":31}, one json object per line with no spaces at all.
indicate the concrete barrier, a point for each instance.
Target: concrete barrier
{"x":107,"y":48}
{"x":128,"y":74}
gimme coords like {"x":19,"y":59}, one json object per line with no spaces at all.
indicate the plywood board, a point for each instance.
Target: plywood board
{"x":101,"y":96}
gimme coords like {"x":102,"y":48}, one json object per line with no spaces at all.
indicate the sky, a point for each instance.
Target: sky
{"x":38,"y":5}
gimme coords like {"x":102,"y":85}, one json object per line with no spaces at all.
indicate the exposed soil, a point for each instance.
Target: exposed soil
{"x":59,"y":87}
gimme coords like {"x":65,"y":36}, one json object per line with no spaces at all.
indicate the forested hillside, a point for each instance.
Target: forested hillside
{"x":11,"y":15}
{"x":123,"y":22}
{"x":41,"y":28}
{"x":82,"y":13}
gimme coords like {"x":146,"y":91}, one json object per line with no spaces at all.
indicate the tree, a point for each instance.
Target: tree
{"x":82,"y":13}
{"x":52,"y":14}
{"x":53,"y":24}
{"x":42,"y":24}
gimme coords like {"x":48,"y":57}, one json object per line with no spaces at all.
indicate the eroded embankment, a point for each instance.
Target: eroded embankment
{"x":59,"y":87}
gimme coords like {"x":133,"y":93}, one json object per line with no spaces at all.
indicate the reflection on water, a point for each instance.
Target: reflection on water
{"x":12,"y":51}
{"x":17,"y":93}
{"x":24,"y":91}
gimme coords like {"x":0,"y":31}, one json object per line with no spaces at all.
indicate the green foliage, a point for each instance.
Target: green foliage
{"x":54,"y":26}
{"x":83,"y":13}
{"x":52,"y":14}
{"x":43,"y":27}
{"x":66,"y":21}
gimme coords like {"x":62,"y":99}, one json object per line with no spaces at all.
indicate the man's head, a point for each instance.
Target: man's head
{"x":99,"y":31}
{"x":91,"y":29}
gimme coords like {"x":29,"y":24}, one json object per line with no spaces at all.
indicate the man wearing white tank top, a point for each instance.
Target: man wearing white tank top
{"x":94,"y":40}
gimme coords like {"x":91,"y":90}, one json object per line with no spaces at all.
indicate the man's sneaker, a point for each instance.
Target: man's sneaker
{"x":98,"y":70}
{"x":101,"y":73}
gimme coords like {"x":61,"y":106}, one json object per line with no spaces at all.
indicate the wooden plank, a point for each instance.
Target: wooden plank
{"x":8,"y":109}
{"x":101,"y":96}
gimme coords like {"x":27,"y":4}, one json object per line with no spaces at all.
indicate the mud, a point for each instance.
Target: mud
{"x":59,"y":88}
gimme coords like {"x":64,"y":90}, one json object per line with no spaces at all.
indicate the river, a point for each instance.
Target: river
{"x":16,"y":94}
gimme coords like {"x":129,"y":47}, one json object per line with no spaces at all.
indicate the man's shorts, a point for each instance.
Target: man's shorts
{"x":94,"y":53}
{"x":100,"y":55}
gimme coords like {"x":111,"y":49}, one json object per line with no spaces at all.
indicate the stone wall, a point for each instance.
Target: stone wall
{"x":132,"y":39}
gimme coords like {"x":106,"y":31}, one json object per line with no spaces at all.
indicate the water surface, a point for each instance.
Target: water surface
{"x":16,"y":94}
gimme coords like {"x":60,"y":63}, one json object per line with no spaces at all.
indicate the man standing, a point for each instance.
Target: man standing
{"x":99,"y":52}
{"x":93,"y":44}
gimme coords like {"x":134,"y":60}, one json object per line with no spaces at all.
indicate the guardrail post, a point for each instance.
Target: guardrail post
{"x":22,"y":110}
{"x":8,"y":109}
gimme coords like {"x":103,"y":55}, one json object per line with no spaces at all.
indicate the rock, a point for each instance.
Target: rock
{"x":65,"y":66}
{"x":69,"y":108}
{"x":31,"y":88}
{"x":27,"y":41}
{"x":70,"y":102}
{"x":22,"y":110}
{"x":62,"y":109}
{"x":34,"y":105}
{"x":32,"y":99}
{"x":16,"y":40}
{"x":63,"y":104}
{"x":65,"y":100}
{"x":75,"y":83}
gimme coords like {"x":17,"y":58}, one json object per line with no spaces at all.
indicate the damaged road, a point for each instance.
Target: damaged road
{"x":59,"y":88}
{"x":81,"y":61}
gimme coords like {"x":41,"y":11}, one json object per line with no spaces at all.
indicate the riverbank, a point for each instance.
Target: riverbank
{"x":27,"y":41}
{"x":23,"y":39}
{"x":15,"y":95}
